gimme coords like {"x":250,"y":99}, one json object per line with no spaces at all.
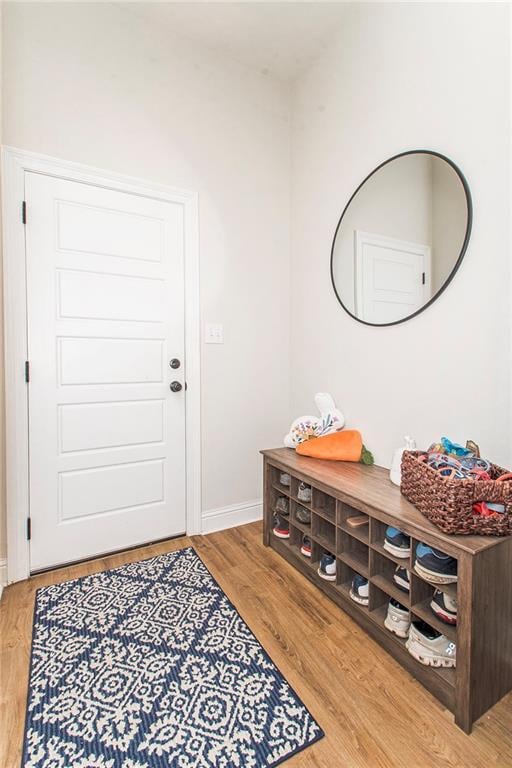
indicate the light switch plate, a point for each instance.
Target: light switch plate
{"x":213,"y":333}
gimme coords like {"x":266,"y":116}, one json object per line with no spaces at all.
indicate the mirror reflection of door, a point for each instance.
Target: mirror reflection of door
{"x":392,"y":277}
{"x":401,"y":237}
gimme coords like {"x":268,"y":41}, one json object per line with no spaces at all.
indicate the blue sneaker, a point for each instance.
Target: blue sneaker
{"x":402,"y":579}
{"x":435,"y":566}
{"x":327,"y":567}
{"x":359,"y":590}
{"x":397,"y":542}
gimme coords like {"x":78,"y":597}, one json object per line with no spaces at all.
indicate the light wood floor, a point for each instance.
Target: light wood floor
{"x":374,"y":714}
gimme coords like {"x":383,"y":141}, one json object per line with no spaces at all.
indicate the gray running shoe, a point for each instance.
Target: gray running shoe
{"x":282,"y":506}
{"x":430,"y":647}
{"x":304,"y":492}
{"x":398,"y":618}
{"x":303,"y":515}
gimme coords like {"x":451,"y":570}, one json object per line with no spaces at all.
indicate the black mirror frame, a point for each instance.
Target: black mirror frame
{"x":457,"y":264}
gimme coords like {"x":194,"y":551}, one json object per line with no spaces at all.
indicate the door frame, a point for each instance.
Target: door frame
{"x":15,"y":163}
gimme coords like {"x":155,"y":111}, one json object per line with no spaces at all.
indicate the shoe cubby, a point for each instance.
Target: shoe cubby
{"x":294,"y":543}
{"x":422,"y":593}
{"x":377,"y":536}
{"x":316,"y":554}
{"x":451,"y":589}
{"x":344,"y":576}
{"x":378,"y":610}
{"x":296,"y":535}
{"x":294,"y":492}
{"x":324,"y":505}
{"x":340,"y":491}
{"x":276,"y":494}
{"x":345,"y":513}
{"x":353,"y":553}
{"x":381,"y":577}
{"x":295,"y":507}
{"x":276,"y":484}
{"x":324,"y":533}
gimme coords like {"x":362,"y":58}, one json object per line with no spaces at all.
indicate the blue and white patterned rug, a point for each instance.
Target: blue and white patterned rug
{"x":150,"y":665}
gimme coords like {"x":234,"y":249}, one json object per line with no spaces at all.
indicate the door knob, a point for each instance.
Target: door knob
{"x":174,"y":363}
{"x":175,"y":386}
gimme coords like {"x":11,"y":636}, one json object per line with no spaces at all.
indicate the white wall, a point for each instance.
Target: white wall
{"x":104,"y":85}
{"x":407,"y":76}
{"x":449,"y":220}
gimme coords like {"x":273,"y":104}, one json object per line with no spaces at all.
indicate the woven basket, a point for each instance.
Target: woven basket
{"x":449,"y":503}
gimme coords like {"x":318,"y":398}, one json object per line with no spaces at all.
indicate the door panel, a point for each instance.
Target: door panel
{"x":93,"y":426}
{"x":105,"y":315}
{"x":96,"y":296}
{"x":116,"y":233}
{"x":94,"y":360}
{"x":94,"y":491}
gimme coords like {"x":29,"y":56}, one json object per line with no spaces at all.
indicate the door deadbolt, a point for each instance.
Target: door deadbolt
{"x":175,"y":386}
{"x":174,"y":363}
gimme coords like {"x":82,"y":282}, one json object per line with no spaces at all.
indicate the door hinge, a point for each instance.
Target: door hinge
{"x":29,"y":528}
{"x":423,"y":278}
{"x":27,"y":371}
{"x":24,"y":212}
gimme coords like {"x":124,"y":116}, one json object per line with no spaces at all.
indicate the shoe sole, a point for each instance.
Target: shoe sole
{"x":432,"y":576}
{"x":396,"y":551}
{"x":281,"y":535}
{"x":357,"y":599}
{"x":426,"y":657}
{"x":404,"y":585}
{"x":390,"y":625}
{"x":326,"y":576}
{"x":446,"y":618}
{"x":306,"y":553}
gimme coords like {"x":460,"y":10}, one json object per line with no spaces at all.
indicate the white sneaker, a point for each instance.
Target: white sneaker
{"x":430,"y":647}
{"x":398,"y":619}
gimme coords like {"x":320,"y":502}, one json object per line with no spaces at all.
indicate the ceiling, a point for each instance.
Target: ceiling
{"x":280,"y":39}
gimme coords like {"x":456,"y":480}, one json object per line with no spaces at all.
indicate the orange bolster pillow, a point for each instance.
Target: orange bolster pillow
{"x":346,"y":445}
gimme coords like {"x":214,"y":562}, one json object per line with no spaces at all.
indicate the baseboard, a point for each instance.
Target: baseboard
{"x":227,"y":517}
{"x":3,"y":575}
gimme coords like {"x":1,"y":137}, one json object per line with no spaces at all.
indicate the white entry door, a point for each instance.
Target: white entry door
{"x":392,"y":277}
{"x":105,"y":290}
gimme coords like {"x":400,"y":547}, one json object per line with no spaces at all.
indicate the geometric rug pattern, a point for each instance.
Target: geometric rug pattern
{"x":150,"y":665}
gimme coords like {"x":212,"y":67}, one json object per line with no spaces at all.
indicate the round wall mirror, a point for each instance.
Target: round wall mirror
{"x":401,"y":238}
